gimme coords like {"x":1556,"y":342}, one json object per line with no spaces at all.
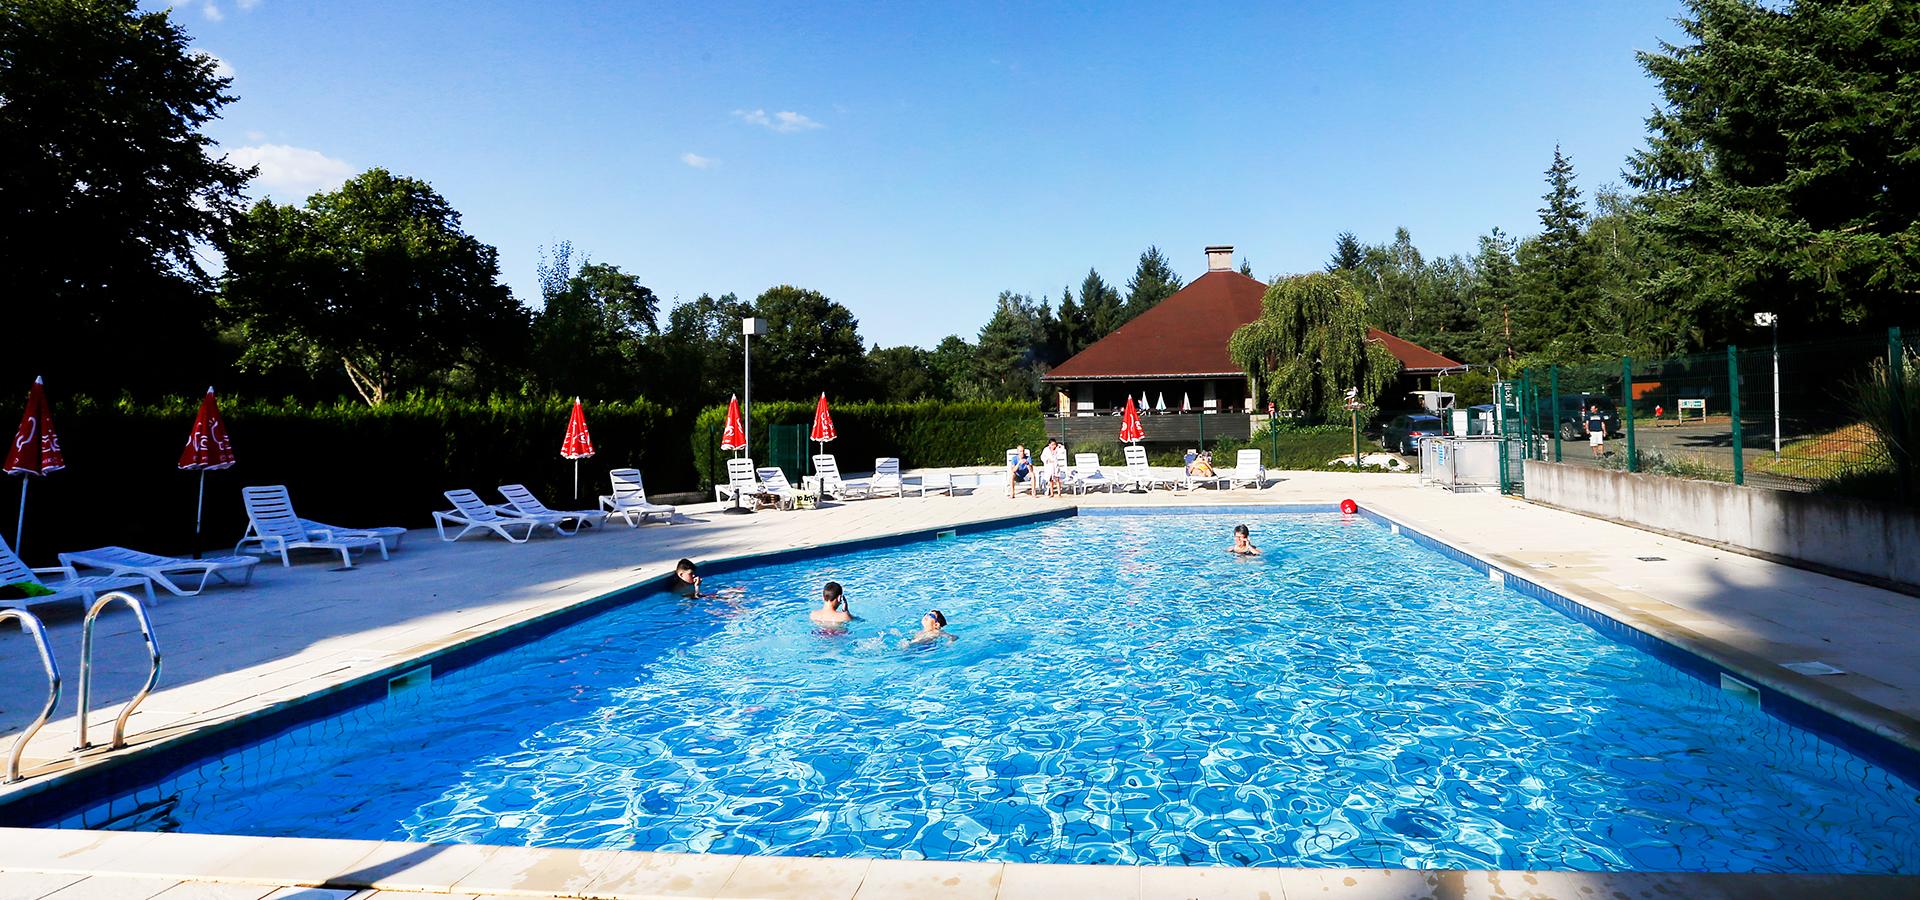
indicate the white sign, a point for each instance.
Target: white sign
{"x":1699,"y":403}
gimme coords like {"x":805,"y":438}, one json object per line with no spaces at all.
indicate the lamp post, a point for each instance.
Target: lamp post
{"x":1353,"y":406}
{"x":750,"y":327}
{"x":1768,"y":319}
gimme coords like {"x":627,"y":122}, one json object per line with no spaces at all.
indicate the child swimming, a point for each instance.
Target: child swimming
{"x":1243,"y":542}
{"x":933,"y":627}
{"x":686,"y":579}
{"x":833,"y":606}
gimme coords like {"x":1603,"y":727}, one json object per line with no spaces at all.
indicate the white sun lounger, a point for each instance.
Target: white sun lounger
{"x":388,"y":534}
{"x":272,"y":525}
{"x":1086,"y":474}
{"x":162,"y":570}
{"x":1248,"y":469}
{"x":741,"y":479}
{"x":827,"y":469}
{"x":629,"y":499}
{"x":72,"y":584}
{"x":1137,"y":473}
{"x":886,"y":477}
{"x":521,"y":502}
{"x":470,"y":512}
{"x":773,"y":482}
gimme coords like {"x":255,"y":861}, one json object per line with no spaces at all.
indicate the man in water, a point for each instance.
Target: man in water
{"x":933,"y":627}
{"x":686,"y":579}
{"x":1243,"y":542}
{"x":833,"y":606}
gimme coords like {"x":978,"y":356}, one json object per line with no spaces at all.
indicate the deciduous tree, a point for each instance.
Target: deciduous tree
{"x":1310,"y":345}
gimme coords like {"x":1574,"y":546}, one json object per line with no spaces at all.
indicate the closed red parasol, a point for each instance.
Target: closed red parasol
{"x":1130,"y":430}
{"x":734,"y":437}
{"x":207,"y":449}
{"x":822,"y":424}
{"x":35,"y":450}
{"x":578,"y":444}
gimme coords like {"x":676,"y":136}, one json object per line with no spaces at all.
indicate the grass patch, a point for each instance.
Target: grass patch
{"x":1823,"y":457}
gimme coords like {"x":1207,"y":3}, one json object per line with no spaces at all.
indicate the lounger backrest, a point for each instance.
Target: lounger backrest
{"x":1087,"y":462}
{"x":522,"y":499}
{"x":12,"y":569}
{"x":1013,"y":457}
{"x":626,"y":484}
{"x":825,"y":466}
{"x":886,"y":469}
{"x":469,"y":505}
{"x":271,"y":511}
{"x":1248,"y":460}
{"x":1136,"y":456}
{"x":740,"y":471}
{"x":775,"y":479}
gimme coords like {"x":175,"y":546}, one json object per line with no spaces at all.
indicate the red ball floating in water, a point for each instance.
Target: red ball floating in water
{"x":1349,"y":507}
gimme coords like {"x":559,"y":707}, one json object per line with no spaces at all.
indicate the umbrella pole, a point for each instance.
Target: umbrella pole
{"x":199,"y":504}
{"x":20,"y":523}
{"x":576,"y":480}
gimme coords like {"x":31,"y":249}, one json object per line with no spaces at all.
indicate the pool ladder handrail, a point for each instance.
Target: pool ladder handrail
{"x":86,"y":668}
{"x":30,"y":624}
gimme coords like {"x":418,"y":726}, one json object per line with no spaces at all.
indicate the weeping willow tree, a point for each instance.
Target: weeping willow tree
{"x":1310,"y":344}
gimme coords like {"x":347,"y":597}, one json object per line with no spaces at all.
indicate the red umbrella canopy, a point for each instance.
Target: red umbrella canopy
{"x":822,"y":422}
{"x":735,"y":435}
{"x":578,"y":443}
{"x":36,"y":448}
{"x":207,"y":447}
{"x":1130,"y":430}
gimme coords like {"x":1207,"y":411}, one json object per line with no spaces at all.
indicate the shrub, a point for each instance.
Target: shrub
{"x":343,"y":462}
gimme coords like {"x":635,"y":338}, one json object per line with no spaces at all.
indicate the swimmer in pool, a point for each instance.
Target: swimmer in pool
{"x":1243,"y":542}
{"x":833,"y":606}
{"x":686,"y":579}
{"x":933,"y":627}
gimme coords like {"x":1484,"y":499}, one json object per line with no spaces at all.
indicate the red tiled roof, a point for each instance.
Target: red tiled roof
{"x":1185,"y":336}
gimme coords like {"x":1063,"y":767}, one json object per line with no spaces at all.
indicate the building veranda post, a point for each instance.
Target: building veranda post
{"x":1178,"y":351}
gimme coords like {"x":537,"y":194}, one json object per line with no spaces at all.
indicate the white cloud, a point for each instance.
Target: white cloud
{"x":697,"y":161}
{"x":291,"y":172}
{"x":248,"y":4}
{"x":256,"y":136}
{"x":212,"y":11}
{"x":786,"y":122}
{"x":220,"y":67}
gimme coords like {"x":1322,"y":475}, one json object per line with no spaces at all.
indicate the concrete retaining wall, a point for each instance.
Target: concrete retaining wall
{"x":1864,"y":541}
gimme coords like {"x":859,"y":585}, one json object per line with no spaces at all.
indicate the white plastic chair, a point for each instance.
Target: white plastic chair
{"x":470,"y":512}
{"x":741,"y":481}
{"x":388,"y":534}
{"x":774,"y":483}
{"x":886,"y":477}
{"x":521,"y":502}
{"x":161,"y":569}
{"x":1087,"y":475}
{"x":629,"y":499}
{"x":827,"y":469}
{"x":1247,"y":468}
{"x":1138,"y":474}
{"x":72,"y":584}
{"x":272,"y":525}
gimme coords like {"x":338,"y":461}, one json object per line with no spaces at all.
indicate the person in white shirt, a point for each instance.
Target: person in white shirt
{"x":1053,"y":468}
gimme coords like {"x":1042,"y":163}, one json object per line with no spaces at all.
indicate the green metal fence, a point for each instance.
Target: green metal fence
{"x":1796,"y":416}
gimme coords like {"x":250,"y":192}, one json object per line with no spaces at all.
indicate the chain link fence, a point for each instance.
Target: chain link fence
{"x":1819,"y":415}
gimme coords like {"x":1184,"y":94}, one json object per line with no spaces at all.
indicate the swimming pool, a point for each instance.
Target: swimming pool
{"x":1122,"y":691}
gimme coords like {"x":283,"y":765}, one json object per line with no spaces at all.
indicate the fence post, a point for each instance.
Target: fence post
{"x":1897,"y":389}
{"x":1733,"y":410}
{"x":1553,"y":388}
{"x":1626,"y":405}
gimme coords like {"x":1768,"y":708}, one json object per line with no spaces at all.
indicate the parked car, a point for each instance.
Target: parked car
{"x":1572,"y":419}
{"x":1403,"y":433}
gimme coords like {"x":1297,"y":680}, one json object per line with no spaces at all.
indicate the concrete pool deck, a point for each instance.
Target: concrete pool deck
{"x":236,"y":651}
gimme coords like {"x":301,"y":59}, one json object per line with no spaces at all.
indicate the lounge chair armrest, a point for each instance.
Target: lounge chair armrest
{"x":67,"y":571}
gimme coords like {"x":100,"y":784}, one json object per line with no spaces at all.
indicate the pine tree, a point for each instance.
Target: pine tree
{"x":1246,"y":267}
{"x":1100,"y":305}
{"x":1007,"y":359}
{"x":1347,"y":253}
{"x":1070,"y":326}
{"x":1491,"y":298}
{"x":1557,"y":274}
{"x":1153,"y":281}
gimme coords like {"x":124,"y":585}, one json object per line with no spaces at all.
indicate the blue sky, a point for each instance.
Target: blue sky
{"x":912,"y":161}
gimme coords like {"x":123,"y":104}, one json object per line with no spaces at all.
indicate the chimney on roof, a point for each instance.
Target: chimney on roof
{"x":1220,"y":258}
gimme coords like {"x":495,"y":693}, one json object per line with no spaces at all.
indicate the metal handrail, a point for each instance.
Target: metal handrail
{"x":30,"y":624}
{"x":86,"y":667}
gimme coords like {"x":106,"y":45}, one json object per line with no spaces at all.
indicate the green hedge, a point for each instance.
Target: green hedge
{"x":344,"y":463}
{"x":924,"y":434}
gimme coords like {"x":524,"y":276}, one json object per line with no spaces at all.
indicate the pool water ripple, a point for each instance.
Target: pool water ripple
{"x":1122,"y":692}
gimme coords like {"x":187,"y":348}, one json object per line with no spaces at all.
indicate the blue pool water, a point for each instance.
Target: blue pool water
{"x":1122,"y":691}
